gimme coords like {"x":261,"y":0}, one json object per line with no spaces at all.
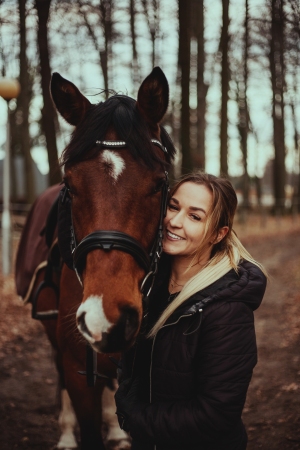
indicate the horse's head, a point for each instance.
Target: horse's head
{"x":115,"y":172}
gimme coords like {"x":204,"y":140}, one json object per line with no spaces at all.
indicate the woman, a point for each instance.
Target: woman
{"x":192,"y":368}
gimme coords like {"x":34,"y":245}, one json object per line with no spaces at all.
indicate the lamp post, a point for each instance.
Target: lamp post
{"x":9,"y":89}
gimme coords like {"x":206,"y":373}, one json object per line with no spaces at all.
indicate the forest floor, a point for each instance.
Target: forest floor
{"x":28,"y":393}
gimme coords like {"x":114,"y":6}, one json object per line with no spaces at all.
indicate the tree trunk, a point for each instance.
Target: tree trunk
{"x":296,"y":182}
{"x":23,"y":102}
{"x":105,"y":22}
{"x":105,"y":55}
{"x":184,"y":63}
{"x":244,"y":113}
{"x":135,"y":69}
{"x":224,"y":90}
{"x":153,"y":24}
{"x":202,"y":88}
{"x":48,"y":111}
{"x":277,"y":77}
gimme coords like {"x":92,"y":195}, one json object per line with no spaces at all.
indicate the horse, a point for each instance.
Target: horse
{"x":113,"y":202}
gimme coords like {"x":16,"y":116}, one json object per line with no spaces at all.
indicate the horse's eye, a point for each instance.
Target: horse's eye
{"x":69,"y":190}
{"x":159,"y":186}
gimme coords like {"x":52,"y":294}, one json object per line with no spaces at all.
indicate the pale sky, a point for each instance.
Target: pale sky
{"x":75,"y":58}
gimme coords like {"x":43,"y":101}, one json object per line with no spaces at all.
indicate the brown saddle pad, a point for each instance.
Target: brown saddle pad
{"x":33,"y":250}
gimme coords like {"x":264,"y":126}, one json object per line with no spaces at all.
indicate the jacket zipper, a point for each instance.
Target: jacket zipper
{"x":168,"y":325}
{"x":134,"y":358}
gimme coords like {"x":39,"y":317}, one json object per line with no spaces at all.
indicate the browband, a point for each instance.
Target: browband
{"x":123,"y":144}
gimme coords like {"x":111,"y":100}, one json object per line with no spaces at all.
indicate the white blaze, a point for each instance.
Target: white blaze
{"x":116,"y":163}
{"x":95,"y":318}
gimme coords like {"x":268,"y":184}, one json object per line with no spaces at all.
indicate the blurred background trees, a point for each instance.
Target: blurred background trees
{"x":234,"y":74}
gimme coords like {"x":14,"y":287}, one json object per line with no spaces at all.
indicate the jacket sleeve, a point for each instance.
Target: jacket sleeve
{"x":224,"y":361}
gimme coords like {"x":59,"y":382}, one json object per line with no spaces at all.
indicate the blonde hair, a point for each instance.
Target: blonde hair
{"x":226,"y":254}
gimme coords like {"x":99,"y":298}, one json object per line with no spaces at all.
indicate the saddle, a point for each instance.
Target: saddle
{"x":45,"y":243}
{"x":38,"y":249}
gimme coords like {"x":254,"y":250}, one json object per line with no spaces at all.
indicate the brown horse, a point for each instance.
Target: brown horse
{"x":114,"y":175}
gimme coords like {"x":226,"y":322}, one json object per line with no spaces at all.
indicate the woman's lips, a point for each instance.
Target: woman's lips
{"x":173,"y":237}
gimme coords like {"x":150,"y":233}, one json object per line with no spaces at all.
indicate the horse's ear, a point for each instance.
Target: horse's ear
{"x":69,"y":101}
{"x":153,"y":97}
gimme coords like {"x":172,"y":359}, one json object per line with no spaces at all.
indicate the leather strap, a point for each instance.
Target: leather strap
{"x":110,"y":240}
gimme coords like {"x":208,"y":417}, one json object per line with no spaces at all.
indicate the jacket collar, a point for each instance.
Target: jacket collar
{"x":248,"y":286}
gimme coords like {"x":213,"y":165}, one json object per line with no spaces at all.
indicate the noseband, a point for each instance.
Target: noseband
{"x":108,"y":240}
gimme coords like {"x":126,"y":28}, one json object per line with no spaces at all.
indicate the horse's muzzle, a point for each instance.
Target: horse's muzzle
{"x":122,"y":335}
{"x":117,"y":338}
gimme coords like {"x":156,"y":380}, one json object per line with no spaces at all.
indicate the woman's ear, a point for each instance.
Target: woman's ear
{"x":221,"y":234}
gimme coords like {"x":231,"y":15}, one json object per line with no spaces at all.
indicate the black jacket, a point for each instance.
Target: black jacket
{"x":194,"y":375}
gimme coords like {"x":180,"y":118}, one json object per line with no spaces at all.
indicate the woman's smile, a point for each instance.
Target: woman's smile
{"x":173,"y":236}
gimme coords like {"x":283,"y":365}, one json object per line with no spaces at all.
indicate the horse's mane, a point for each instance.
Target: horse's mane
{"x":119,"y":113}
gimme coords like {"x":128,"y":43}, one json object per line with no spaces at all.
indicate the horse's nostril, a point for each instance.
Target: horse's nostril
{"x":131,"y":323}
{"x":82,"y":325}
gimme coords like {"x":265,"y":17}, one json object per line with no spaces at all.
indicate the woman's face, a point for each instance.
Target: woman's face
{"x":184,"y":224}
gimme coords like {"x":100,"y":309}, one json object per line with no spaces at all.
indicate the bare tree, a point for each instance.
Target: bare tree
{"x":14,"y":135}
{"x":202,"y":87}
{"x":135,"y":67}
{"x":102,"y":45}
{"x":2,"y":56}
{"x":106,"y":7}
{"x":243,"y":124}
{"x":296,"y":193}
{"x":23,"y":103}
{"x":277,"y":69}
{"x":48,"y":112}
{"x":292,"y":64}
{"x":184,"y":64}
{"x":151,"y":11}
{"x":224,"y":44}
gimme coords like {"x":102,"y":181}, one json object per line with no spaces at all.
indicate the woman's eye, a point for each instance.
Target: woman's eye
{"x":195,"y":217}
{"x":172,"y":207}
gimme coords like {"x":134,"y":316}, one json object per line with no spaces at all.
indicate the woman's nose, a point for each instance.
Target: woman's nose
{"x":176,"y":220}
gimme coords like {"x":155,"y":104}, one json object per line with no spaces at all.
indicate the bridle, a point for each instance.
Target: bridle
{"x":108,"y":240}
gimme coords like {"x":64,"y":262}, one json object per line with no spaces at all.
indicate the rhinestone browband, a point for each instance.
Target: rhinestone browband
{"x":122,"y":144}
